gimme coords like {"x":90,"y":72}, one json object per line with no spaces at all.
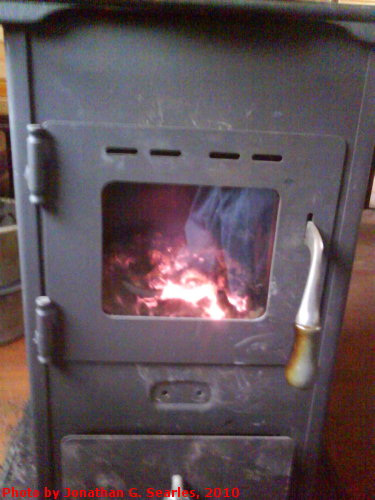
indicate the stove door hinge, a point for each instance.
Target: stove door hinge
{"x":47,"y":322}
{"x":38,"y":156}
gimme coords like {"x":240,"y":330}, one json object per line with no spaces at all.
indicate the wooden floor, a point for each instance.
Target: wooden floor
{"x":14,"y":389}
{"x":350,"y":427}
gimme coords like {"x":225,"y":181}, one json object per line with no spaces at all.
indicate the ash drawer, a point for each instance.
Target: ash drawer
{"x":209,"y":466}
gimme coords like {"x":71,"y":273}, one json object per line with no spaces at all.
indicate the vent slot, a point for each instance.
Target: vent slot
{"x":121,"y":151}
{"x":266,"y":157}
{"x":165,"y":152}
{"x":222,"y":155}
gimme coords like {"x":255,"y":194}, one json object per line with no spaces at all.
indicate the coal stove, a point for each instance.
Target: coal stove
{"x":195,"y":176}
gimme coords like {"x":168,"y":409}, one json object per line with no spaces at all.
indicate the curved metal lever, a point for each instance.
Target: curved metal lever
{"x":177,"y":485}
{"x":301,"y":367}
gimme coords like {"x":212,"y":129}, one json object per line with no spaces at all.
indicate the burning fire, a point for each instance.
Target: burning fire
{"x":205,"y":293}
{"x":171,"y":281}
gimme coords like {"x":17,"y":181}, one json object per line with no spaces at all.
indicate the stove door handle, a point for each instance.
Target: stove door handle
{"x":302,"y":365}
{"x":177,"y":484}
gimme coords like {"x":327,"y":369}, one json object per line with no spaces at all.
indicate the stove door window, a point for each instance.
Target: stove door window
{"x":187,"y":251}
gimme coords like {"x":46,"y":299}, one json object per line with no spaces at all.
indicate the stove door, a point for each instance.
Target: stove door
{"x":189,"y":466}
{"x":183,"y":246}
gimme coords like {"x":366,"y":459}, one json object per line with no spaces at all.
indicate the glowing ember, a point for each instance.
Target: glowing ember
{"x":168,"y":280}
{"x":205,"y":293}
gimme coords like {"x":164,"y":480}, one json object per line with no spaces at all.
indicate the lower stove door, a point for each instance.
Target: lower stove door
{"x":177,"y":466}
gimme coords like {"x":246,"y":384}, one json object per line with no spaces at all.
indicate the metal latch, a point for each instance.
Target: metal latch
{"x":46,"y":320}
{"x":37,"y":163}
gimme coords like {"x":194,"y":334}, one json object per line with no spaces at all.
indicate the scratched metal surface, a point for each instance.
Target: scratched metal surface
{"x":83,"y":166}
{"x":260,"y":467}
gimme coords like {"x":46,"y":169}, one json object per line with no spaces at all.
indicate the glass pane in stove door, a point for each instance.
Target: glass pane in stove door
{"x":187,"y":251}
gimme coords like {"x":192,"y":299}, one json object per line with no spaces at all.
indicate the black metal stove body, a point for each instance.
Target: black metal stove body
{"x":179,"y":107}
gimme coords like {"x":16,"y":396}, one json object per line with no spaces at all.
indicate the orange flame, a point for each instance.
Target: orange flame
{"x":176,"y":274}
{"x":194,"y":295}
